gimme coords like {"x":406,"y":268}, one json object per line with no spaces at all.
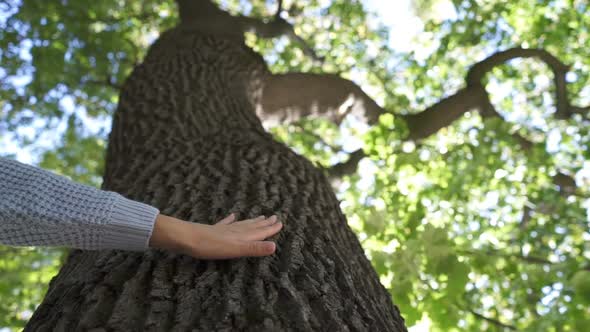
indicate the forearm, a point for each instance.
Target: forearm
{"x":167,"y":232}
{"x":38,"y":207}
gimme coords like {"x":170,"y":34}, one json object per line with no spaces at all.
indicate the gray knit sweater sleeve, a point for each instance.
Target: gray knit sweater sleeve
{"x":40,"y":208}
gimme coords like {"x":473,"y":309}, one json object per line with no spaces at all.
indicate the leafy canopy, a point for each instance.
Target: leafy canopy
{"x":466,"y":229}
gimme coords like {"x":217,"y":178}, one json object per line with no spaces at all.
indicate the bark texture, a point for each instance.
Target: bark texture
{"x":186,"y":139}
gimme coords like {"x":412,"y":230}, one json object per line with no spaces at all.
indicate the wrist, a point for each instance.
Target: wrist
{"x":168,"y":233}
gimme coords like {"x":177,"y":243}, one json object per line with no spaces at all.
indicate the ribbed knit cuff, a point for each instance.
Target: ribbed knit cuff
{"x":130,"y":226}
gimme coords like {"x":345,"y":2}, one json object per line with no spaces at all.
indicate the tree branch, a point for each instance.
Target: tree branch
{"x":430,"y":120}
{"x":567,"y":184}
{"x":205,"y":16}
{"x":276,"y":28}
{"x":287,"y":98}
{"x":494,"y":321}
{"x":279,"y":9}
{"x":108,"y":82}
{"x":497,"y":253}
{"x":477,"y":71}
{"x":583,"y":111}
{"x":490,"y":320}
{"x":526,"y":217}
{"x":559,"y":69}
{"x":348,"y":167}
{"x":445,"y":112}
{"x":474,"y":96}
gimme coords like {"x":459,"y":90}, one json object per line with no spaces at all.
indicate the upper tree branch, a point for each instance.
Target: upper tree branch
{"x":490,"y":320}
{"x":494,"y":321}
{"x":475,"y":97}
{"x":279,"y":8}
{"x":563,"y":108}
{"x":347,"y":167}
{"x":583,"y":111}
{"x":275,"y":28}
{"x":498,"y":253}
{"x":204,"y":15}
{"x":108,"y":82}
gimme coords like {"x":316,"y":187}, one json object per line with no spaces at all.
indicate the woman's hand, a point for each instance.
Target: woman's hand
{"x":226,"y":239}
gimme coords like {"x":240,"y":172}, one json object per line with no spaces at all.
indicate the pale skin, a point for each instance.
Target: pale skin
{"x":226,"y":239}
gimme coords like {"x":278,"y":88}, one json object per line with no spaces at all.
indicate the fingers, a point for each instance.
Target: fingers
{"x":251,"y":234}
{"x":227,"y":220}
{"x":269,"y":221}
{"x":259,"y":222}
{"x":254,"y":246}
{"x":232,"y":217}
{"x":271,"y":230}
{"x":252,"y":221}
{"x":258,"y":248}
{"x":262,"y":233}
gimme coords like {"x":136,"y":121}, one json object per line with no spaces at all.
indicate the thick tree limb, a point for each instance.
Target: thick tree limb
{"x":287,"y":98}
{"x":445,"y":112}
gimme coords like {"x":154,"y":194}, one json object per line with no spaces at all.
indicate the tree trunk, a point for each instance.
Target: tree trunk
{"x":186,"y":139}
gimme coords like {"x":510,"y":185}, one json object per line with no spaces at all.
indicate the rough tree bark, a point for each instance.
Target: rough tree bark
{"x":186,"y":139}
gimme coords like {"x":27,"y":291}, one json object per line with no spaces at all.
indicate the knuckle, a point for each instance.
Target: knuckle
{"x":254,"y":248}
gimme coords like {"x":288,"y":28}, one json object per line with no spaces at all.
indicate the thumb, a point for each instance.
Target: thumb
{"x":227,"y":220}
